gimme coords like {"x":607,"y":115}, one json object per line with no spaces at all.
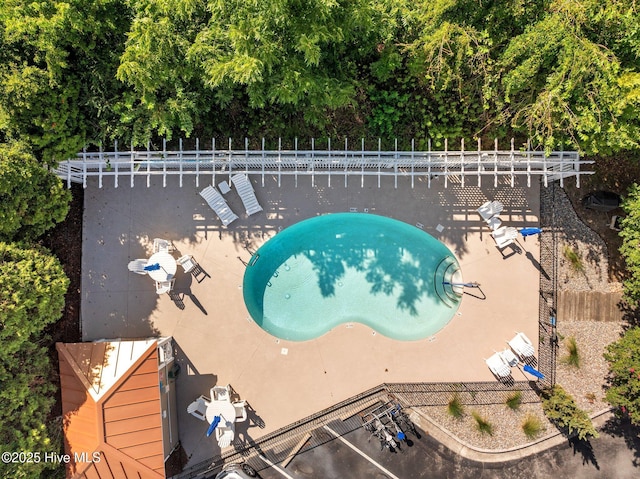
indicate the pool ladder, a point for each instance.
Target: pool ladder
{"x":445,"y":271}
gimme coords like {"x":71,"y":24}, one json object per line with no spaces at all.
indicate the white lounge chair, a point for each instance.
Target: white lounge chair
{"x":504,"y":236}
{"x":522,"y":346}
{"x":490,"y":209}
{"x":198,"y":408}
{"x":509,"y":358}
{"x":498,"y":366}
{"x":247,"y":195}
{"x":137,"y":266}
{"x":219,"y":205}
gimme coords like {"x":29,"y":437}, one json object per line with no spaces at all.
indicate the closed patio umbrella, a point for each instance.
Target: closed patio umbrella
{"x":533,"y":371}
{"x":530,"y":231}
{"x":214,"y":424}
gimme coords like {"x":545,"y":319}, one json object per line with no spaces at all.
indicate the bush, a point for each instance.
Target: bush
{"x":455,"y":407}
{"x":514,"y":400}
{"x":531,"y":426}
{"x":623,"y":390}
{"x":630,"y":248}
{"x":32,"y":287}
{"x":482,"y":425}
{"x":33,"y":199}
{"x":572,"y":358}
{"x":561,"y":409}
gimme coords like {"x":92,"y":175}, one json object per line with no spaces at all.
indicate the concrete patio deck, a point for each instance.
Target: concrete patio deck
{"x":283,"y":381}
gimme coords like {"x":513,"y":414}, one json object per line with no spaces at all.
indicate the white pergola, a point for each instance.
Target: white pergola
{"x":330,"y":162}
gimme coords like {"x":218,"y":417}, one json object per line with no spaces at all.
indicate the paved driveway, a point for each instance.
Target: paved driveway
{"x":615,"y":454}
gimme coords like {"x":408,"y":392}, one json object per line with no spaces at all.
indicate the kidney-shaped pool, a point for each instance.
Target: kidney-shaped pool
{"x":352,"y":267}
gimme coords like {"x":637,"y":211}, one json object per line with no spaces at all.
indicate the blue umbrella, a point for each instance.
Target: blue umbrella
{"x":152,"y":267}
{"x":533,"y":372}
{"x":214,"y":424}
{"x":530,"y":231}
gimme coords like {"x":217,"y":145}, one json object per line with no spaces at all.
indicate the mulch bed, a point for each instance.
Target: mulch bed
{"x":611,"y":174}
{"x":65,"y":241}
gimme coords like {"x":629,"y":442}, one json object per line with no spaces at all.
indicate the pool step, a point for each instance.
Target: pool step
{"x":446,"y":271}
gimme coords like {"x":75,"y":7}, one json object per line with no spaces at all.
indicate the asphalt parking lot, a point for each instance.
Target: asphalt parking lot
{"x":615,"y":454}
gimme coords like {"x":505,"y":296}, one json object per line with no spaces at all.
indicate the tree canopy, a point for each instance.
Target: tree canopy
{"x":89,"y":71}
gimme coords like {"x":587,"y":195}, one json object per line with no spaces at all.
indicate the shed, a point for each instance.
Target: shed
{"x":118,"y":407}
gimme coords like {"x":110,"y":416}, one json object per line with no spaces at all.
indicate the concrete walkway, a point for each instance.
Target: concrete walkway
{"x":218,"y":342}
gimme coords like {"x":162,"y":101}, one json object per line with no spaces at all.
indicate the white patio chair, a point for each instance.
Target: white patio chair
{"x":247,"y":195}
{"x":164,"y":286}
{"x":160,"y":244}
{"x":220,"y":393}
{"x":218,"y":204}
{"x":498,"y":366}
{"x":137,"y":266}
{"x":504,"y":236}
{"x":187,"y":262}
{"x":522,"y":345}
{"x":198,"y":408}
{"x":241,"y":410}
{"x":224,"y":435}
{"x":490,"y":209}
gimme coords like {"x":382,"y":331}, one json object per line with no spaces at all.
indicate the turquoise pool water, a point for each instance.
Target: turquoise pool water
{"x":351,"y":267}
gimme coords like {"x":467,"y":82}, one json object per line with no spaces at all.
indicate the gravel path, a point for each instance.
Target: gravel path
{"x":585,"y":383}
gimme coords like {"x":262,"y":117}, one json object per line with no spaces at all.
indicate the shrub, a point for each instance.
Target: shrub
{"x":630,"y":248}
{"x":32,"y":287}
{"x":572,"y":358}
{"x":482,"y":425}
{"x":514,"y":400}
{"x":33,"y":199}
{"x":531,"y":426}
{"x":455,"y":407}
{"x":561,"y":409}
{"x":574,"y":258}
{"x":624,"y":374}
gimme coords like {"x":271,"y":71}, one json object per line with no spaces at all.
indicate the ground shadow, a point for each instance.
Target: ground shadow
{"x":618,"y":426}
{"x":585,"y":449}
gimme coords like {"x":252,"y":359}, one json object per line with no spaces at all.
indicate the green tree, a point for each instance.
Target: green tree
{"x":561,"y":82}
{"x":188,"y":60}
{"x":57,"y":72}
{"x":559,"y":72}
{"x":623,"y":390}
{"x":561,"y":408}
{"x":33,"y":199}
{"x":630,"y":248}
{"x":32,"y":288}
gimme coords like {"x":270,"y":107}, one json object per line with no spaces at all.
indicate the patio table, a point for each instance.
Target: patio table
{"x":168,"y":266}
{"x":224,"y":409}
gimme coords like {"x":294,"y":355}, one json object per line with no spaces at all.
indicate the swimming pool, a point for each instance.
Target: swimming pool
{"x":351,"y":267}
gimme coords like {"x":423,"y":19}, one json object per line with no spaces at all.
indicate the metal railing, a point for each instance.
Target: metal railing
{"x":344,"y":417}
{"x":330,"y":163}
